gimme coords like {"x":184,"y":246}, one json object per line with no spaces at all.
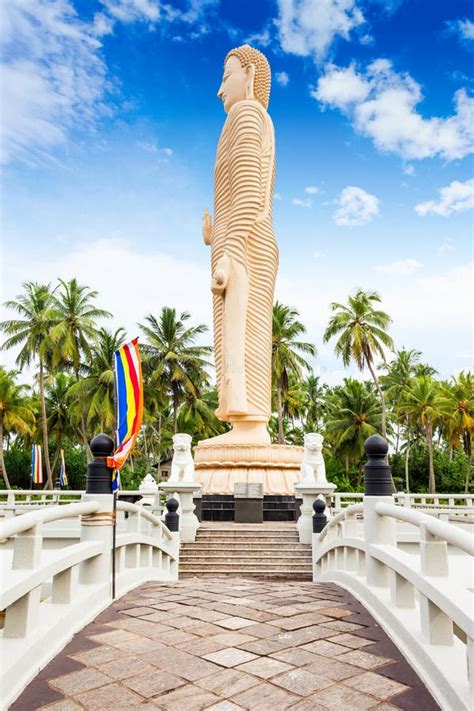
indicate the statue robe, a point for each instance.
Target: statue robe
{"x":243,"y":196}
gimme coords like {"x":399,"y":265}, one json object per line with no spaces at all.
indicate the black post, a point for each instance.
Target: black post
{"x":377,"y":472}
{"x":171,"y":517}
{"x":319,"y":517}
{"x":99,"y":475}
{"x":57,"y":483}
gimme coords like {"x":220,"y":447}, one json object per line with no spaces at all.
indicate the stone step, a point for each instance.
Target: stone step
{"x":247,"y":547}
{"x":261,"y":575}
{"x":240,"y":565}
{"x":231,"y":533}
{"x":261,"y":556}
{"x":249,"y":539}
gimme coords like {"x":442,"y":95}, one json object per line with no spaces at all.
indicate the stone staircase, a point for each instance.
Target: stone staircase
{"x":257,"y":551}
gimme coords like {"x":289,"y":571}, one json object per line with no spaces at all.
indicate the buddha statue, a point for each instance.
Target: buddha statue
{"x":244,"y":252}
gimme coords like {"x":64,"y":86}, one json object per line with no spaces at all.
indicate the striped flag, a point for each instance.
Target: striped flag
{"x":62,"y":472}
{"x":36,"y":465}
{"x":129,"y":405}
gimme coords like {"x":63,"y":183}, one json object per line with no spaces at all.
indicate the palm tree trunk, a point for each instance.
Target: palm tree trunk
{"x":83,"y":428}
{"x":407,"y":464}
{"x":382,"y":397}
{"x":429,"y":442}
{"x":397,"y":441}
{"x":468,"y":450}
{"x":49,"y":475}
{"x":3,"y":470}
{"x":175,"y":413}
{"x":281,"y":434}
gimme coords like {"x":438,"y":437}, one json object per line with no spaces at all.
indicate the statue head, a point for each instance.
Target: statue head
{"x":313,"y":442}
{"x":246,"y":76}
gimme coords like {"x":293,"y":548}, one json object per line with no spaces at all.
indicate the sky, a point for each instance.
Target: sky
{"x":109,"y":128}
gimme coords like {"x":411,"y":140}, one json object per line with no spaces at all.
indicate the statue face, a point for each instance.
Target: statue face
{"x":234,"y":83}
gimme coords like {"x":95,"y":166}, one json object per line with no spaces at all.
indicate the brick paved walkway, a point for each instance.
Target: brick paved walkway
{"x":228,"y":644}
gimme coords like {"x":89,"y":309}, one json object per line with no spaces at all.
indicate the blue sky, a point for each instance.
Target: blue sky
{"x":110,"y":126}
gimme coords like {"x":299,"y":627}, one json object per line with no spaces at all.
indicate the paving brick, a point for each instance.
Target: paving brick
{"x":235,"y":623}
{"x":264,"y":667}
{"x":351,"y":640}
{"x":123,"y":668}
{"x":112,"y":696}
{"x":78,"y":681}
{"x":153,"y":682}
{"x":230,"y":657}
{"x":344,"y":699}
{"x":376,"y":685}
{"x":265,"y":697}
{"x":228,"y":682}
{"x":186,"y":698}
{"x":301,"y":682}
{"x":364,"y":659}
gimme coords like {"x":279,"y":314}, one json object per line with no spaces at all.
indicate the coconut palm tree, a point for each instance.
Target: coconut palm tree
{"x":457,"y":403}
{"x":399,"y":373}
{"x":175,"y":362}
{"x":76,"y":331}
{"x":314,"y":395}
{"x":16,"y":413}
{"x":287,"y":358}
{"x":60,"y":423}
{"x":94,"y":394}
{"x":362,"y":335}
{"x":353,"y":414}
{"x":422,"y":403}
{"x":32,"y":333}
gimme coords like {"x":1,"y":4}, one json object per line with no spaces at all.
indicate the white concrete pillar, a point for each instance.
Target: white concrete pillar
{"x":98,"y":526}
{"x":309,"y":492}
{"x":377,"y":530}
{"x":188,"y":521}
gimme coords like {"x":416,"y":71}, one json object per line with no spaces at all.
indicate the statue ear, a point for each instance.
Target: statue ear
{"x":250,"y":78}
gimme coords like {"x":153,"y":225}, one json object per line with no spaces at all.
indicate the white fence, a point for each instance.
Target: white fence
{"x":423,"y":599}
{"x":48,"y":595}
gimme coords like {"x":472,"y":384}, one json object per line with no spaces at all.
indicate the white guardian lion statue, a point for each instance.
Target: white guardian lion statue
{"x":182,"y":464}
{"x":313,"y":469}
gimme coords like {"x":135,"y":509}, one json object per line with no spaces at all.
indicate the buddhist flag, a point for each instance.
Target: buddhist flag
{"x":129,"y":405}
{"x":36,"y":465}
{"x":62,"y":472}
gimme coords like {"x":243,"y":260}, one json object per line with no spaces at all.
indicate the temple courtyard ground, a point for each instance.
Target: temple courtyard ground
{"x":227,"y":644}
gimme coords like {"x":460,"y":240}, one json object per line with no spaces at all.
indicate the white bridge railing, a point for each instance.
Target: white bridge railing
{"x":48,"y":594}
{"x":423,"y":598}
{"x":442,"y":505}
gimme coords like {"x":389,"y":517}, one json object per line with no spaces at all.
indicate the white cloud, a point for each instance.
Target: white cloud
{"x":409,"y":169}
{"x":282,"y":78}
{"x":311,"y":190}
{"x":54,"y":78}
{"x":455,"y":197}
{"x":341,"y":88}
{"x":404,"y":266}
{"x":308,"y":27}
{"x":446,"y":248}
{"x":133,"y":10}
{"x":463,"y":28}
{"x":356,"y":207}
{"x":382,"y":105}
{"x":301,"y":203}
{"x":277,"y":196}
{"x":167,"y":151}
{"x":318,"y":255}
{"x":262,"y":38}
{"x":86,"y":262}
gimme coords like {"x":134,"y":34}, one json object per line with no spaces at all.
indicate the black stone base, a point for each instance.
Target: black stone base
{"x":222,"y":508}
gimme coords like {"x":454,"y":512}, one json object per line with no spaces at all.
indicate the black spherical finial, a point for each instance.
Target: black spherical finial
{"x":318,"y":506}
{"x":377,"y":473}
{"x":102,"y":446}
{"x":319,"y":517}
{"x":171,"y":517}
{"x":172,"y":505}
{"x":375,"y":446}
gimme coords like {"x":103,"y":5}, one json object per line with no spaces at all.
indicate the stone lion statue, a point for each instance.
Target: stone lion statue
{"x":182,"y":464}
{"x":313,"y":469}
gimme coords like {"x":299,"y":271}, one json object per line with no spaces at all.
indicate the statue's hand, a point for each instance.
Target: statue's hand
{"x":207,"y":227}
{"x":220,"y":278}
